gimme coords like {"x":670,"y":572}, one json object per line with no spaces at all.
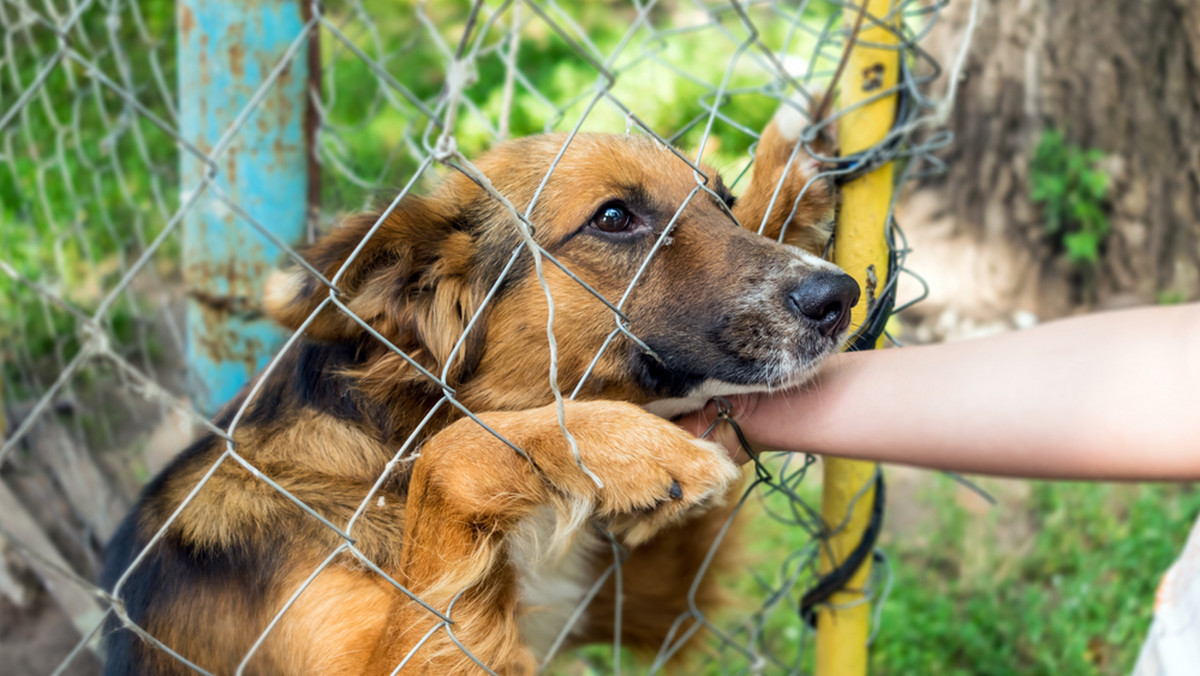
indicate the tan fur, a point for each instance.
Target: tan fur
{"x":813,"y":201}
{"x":329,"y":423}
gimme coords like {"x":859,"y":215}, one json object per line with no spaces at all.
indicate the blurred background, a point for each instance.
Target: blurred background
{"x":1070,"y":184}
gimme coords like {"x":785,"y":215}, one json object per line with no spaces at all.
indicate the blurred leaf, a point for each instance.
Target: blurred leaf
{"x":1082,"y":246}
{"x":1070,"y":188}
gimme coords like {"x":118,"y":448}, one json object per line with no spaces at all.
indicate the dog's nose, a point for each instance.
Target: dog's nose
{"x":824,"y":299}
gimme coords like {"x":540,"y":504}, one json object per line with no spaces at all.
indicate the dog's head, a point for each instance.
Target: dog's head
{"x":712,"y":308}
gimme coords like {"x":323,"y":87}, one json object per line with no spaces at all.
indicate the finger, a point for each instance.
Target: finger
{"x":706,"y":424}
{"x":698,"y":423}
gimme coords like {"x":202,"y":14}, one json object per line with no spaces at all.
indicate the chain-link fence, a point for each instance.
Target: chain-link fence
{"x":105,"y":175}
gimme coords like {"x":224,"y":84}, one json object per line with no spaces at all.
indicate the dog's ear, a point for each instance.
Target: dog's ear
{"x":804,"y":205}
{"x":411,"y":281}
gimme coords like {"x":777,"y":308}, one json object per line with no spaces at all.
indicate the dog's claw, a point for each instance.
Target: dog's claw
{"x":676,"y":491}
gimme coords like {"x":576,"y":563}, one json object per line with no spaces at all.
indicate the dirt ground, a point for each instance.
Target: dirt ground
{"x":35,"y":639}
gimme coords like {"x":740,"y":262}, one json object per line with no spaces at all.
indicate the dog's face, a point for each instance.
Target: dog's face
{"x":715,"y":308}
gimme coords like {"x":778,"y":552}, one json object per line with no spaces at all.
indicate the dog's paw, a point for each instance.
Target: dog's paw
{"x":652,"y":472}
{"x":636,"y":472}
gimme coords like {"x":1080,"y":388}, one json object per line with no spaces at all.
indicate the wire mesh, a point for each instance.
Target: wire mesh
{"x":91,"y":324}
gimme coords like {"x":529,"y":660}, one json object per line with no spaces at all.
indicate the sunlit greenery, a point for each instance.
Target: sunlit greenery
{"x":1060,"y":581}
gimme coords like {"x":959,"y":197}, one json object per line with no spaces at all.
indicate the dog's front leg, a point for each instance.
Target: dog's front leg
{"x":469,"y":490}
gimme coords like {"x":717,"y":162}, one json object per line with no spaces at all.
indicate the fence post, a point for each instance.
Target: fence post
{"x":227,"y":50}
{"x":843,"y":624}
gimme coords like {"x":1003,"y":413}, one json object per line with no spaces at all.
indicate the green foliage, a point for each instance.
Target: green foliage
{"x":1070,"y":590}
{"x":1072,"y":595}
{"x":1071,"y":188}
{"x":663,"y":81}
{"x":83,"y":184}
{"x":1172,"y":297}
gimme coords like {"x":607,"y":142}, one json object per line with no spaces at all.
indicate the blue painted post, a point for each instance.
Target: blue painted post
{"x":227,"y":50}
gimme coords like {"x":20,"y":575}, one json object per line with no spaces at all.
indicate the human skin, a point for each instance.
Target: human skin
{"x":1108,"y":396}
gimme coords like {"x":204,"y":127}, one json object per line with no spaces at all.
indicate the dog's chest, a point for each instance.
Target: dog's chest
{"x":552,"y":587}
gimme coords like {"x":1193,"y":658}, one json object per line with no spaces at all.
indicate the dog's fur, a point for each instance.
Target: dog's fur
{"x":495,"y":541}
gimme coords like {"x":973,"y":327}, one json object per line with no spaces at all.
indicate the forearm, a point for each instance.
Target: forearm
{"x":1109,"y":396}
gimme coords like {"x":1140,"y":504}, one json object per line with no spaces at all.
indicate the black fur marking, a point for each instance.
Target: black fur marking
{"x":318,"y":381}
{"x":709,"y":352}
{"x":643,"y":204}
{"x":722,"y":191}
{"x":309,"y":287}
{"x":313,"y":376}
{"x":490,"y":262}
{"x":170,"y":577}
{"x":119,"y":554}
{"x":494,"y":246}
{"x":173,"y":573}
{"x":652,"y":376}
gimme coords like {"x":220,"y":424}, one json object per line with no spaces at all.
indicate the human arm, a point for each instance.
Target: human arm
{"x":1111,"y":396}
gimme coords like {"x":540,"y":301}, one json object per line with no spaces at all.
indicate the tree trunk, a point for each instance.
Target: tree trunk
{"x":1122,"y":77}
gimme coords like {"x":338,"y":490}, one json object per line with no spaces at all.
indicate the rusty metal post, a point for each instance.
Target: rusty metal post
{"x":242,"y":101}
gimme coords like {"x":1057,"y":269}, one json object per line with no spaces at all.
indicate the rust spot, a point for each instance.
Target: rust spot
{"x":237,"y":276}
{"x":202,"y":63}
{"x":285,"y":76}
{"x":237,"y":55}
{"x":186,"y":20}
{"x":231,"y":167}
{"x":223,"y":338}
{"x":252,"y":349}
{"x":312,"y":121}
{"x":240,"y":306}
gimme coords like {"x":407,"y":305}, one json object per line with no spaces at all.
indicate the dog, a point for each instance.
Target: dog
{"x":494,"y":528}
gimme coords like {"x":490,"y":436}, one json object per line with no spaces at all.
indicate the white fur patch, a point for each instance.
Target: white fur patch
{"x":697,"y":398}
{"x":790,"y":121}
{"x":282,"y":287}
{"x":552,"y":583}
{"x":716,"y":494}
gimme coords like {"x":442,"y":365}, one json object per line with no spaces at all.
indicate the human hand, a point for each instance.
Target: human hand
{"x":713,"y":422}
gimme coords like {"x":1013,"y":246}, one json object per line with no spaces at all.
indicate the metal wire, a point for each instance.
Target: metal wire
{"x":90,"y":150}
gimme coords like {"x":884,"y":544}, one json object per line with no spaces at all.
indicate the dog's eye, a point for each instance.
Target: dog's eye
{"x":612,"y":218}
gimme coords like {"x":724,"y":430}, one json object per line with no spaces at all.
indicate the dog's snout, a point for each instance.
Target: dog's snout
{"x":824,"y":299}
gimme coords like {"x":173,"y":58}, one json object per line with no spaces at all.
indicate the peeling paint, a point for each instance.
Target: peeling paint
{"x":236,"y":56}
{"x":187,"y":21}
{"x":227,"y":49}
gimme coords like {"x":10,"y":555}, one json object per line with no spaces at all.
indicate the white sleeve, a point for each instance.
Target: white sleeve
{"x":1172,"y":647}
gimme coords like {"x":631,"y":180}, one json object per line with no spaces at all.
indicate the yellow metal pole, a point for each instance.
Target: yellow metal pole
{"x":843,"y":624}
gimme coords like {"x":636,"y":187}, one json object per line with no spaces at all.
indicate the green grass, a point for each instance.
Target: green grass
{"x":1059,"y":578}
{"x":1073,"y":595}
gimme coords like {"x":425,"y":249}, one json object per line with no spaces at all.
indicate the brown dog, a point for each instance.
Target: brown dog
{"x":438,"y":507}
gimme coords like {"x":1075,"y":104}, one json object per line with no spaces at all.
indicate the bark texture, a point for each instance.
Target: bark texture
{"x":1122,"y":77}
